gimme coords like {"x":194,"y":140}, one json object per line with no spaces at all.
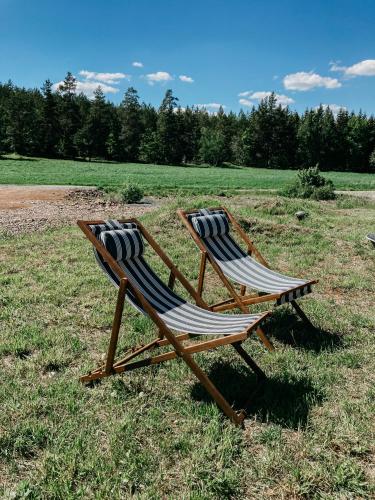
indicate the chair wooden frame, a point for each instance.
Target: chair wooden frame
{"x":238,"y":300}
{"x":165,"y":336}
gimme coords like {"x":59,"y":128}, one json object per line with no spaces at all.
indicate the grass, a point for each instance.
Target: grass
{"x":154,"y":433}
{"x":161,"y":179}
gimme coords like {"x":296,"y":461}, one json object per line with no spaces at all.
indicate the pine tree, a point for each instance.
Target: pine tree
{"x":70,"y":118}
{"x":190,"y":133}
{"x":23,"y":123}
{"x":132,"y":126}
{"x":91,"y":139}
{"x":50,"y":121}
{"x":168,"y":131}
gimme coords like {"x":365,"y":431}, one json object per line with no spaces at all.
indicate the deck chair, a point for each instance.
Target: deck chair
{"x":119,"y":250}
{"x":210,"y":229}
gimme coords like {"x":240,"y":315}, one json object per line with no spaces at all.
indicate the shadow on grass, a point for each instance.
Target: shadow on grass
{"x":285,"y":402}
{"x":285,"y":326}
{"x":21,"y":158}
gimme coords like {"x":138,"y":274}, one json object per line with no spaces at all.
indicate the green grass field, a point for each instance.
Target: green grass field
{"x":161,"y":179}
{"x":154,"y":433}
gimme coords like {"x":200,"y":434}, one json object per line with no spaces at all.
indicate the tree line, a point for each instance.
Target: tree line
{"x":65,"y":124}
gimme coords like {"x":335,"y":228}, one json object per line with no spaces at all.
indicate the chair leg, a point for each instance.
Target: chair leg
{"x":235,"y":417}
{"x":266,"y":341}
{"x":249,"y":361}
{"x":115,"y":327}
{"x":202,"y":271}
{"x":301,"y":314}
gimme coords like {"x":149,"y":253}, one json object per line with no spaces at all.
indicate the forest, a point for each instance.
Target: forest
{"x":60,"y":123}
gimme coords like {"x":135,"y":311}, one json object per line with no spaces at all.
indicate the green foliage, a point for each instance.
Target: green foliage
{"x":131,"y":125}
{"x":311,"y":184}
{"x":372,"y":160}
{"x":131,"y":193}
{"x":211,"y":148}
{"x":68,"y":124}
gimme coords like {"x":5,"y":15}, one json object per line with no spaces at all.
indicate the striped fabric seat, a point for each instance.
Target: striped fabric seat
{"x":177,"y":313}
{"x":242,"y":268}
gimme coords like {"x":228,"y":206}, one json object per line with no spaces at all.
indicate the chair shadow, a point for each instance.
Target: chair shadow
{"x":285,"y":326}
{"x":283,"y":402}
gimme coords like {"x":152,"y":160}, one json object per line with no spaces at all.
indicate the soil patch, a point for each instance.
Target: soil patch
{"x":34,"y":208}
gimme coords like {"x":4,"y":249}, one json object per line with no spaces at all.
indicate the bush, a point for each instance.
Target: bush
{"x":131,"y":193}
{"x":311,"y":184}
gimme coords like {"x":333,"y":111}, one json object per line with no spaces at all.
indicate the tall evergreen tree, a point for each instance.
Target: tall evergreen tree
{"x":91,"y":139}
{"x":50,"y":122}
{"x":271,"y":129}
{"x":23,"y":123}
{"x":70,"y":118}
{"x":131,"y":125}
{"x":168,"y":131}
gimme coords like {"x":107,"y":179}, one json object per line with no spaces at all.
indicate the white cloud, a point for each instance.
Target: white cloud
{"x":112,"y":78}
{"x":88,"y":88}
{"x":308,"y":80}
{"x":245,"y":102}
{"x":281,"y":99}
{"x":211,"y":106}
{"x":335,"y":108}
{"x":245,"y":94}
{"x":335,"y":66}
{"x":186,"y":79}
{"x":137,"y":64}
{"x":363,"y":68}
{"x":159,"y":76}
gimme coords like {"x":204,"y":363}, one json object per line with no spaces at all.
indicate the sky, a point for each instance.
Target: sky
{"x":230,"y":53}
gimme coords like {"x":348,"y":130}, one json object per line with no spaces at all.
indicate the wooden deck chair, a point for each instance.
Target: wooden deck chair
{"x":210,"y":229}
{"x":119,"y":251}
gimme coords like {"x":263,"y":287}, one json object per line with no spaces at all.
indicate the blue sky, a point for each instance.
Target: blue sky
{"x":208,"y":52}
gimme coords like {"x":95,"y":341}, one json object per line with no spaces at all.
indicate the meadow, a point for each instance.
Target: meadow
{"x":154,"y":433}
{"x":162,"y":179}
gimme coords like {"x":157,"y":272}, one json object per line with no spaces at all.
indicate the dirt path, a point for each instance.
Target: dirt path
{"x":34,"y":208}
{"x":370,"y":195}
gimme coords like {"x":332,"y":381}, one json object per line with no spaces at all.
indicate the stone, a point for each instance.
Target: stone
{"x":301,"y":214}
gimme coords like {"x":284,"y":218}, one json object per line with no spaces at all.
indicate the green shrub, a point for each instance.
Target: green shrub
{"x":131,"y":193}
{"x":311,"y":184}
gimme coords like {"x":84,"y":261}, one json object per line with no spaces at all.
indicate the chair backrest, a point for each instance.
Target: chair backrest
{"x":213,"y":229}
{"x":125,"y":244}
{"x":209,"y":223}
{"x":98,"y":230}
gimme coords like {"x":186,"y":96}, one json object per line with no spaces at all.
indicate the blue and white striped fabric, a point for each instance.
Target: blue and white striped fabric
{"x":210,"y":225}
{"x":177,"y":313}
{"x":243,"y":269}
{"x":123,"y":244}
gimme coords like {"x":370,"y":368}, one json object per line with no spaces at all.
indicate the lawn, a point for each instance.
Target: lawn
{"x":161,"y":179}
{"x":154,"y":433}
